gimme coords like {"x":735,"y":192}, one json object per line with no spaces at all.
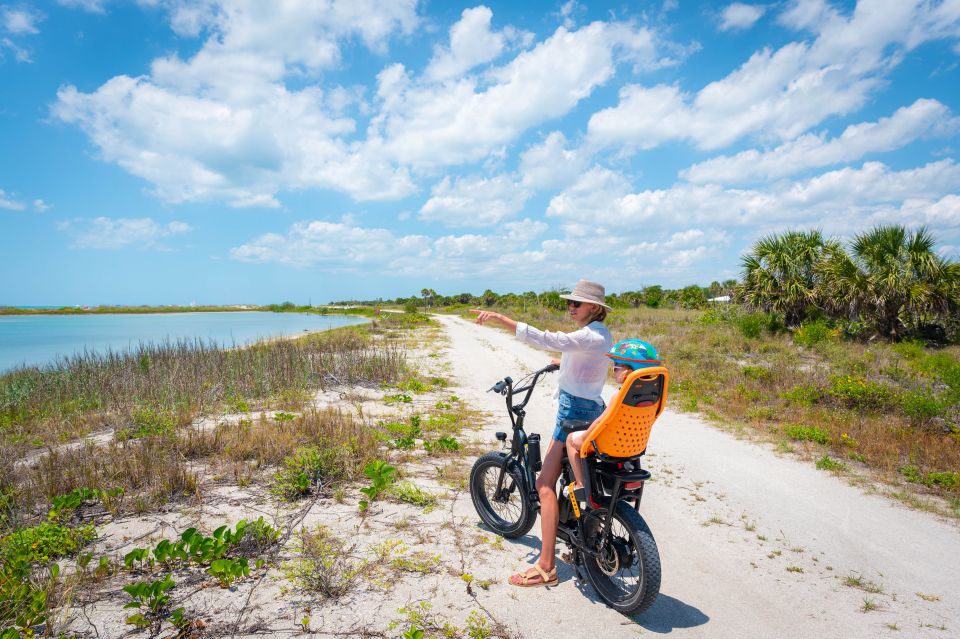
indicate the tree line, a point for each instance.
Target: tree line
{"x":888,"y":281}
{"x":655,"y":296}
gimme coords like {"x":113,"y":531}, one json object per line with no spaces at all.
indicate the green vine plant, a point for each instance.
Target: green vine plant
{"x":194,"y":547}
{"x":381,"y":476}
{"x":150,"y":598}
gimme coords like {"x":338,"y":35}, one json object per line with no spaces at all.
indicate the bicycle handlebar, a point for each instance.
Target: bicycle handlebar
{"x":505,"y":387}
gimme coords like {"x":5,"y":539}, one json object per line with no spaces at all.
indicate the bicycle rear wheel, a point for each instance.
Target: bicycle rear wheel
{"x":507,"y":511}
{"x":626,"y":574}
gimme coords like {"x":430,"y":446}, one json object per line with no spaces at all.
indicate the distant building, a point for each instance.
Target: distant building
{"x":722,"y":298}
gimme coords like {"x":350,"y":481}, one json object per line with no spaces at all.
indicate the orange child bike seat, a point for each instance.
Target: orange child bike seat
{"x":624,"y":429}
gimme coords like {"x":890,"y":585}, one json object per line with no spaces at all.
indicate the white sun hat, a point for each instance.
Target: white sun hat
{"x":589,"y":292}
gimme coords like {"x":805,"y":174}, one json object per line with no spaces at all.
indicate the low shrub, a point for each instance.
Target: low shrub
{"x":309,"y":466}
{"x":403,"y":429}
{"x":921,"y":405}
{"x":909,"y":350}
{"x":944,"y":479}
{"x":445,"y":444}
{"x":256,"y":536}
{"x":855,"y":330}
{"x":324,"y":564}
{"x":950,"y":376}
{"x":153,"y":421}
{"x":413,"y":385}
{"x":759,"y":373}
{"x":807,"y":433}
{"x":947,"y":479}
{"x":802,"y":395}
{"x":751,"y":325}
{"x":830,"y":465}
{"x":811,"y":333}
{"x":46,"y":541}
{"x":857,"y":392}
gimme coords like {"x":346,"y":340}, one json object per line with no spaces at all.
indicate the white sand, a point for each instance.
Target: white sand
{"x":730,"y":517}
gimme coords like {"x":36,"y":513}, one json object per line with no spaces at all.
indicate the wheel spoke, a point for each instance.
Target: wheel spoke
{"x":627,"y":571}
{"x":507,"y":508}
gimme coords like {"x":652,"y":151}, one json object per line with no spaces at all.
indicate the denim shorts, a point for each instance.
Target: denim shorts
{"x":573,"y":407}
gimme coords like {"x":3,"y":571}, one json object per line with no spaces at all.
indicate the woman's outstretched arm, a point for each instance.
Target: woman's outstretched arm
{"x":492,"y":316}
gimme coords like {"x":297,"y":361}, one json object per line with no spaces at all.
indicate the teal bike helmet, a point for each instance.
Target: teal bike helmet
{"x":634,"y":353}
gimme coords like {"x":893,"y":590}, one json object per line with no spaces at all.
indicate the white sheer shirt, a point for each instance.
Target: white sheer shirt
{"x":583,"y":360}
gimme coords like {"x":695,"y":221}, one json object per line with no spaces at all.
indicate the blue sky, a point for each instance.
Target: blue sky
{"x":231,"y":151}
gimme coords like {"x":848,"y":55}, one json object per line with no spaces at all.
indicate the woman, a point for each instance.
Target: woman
{"x":583,"y":371}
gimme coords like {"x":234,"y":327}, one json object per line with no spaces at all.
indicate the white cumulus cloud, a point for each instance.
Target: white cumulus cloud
{"x":430,"y":125}
{"x":7,"y":201}
{"x":740,"y":16}
{"x":11,"y":202}
{"x":551,"y":163}
{"x":472,"y":43}
{"x":780,"y":94}
{"x":840,"y":200}
{"x":117,"y":233}
{"x":345,"y":247}
{"x":93,"y":6}
{"x":20,"y":20}
{"x":474,"y":201}
{"x":923,"y":118}
{"x":223,"y":125}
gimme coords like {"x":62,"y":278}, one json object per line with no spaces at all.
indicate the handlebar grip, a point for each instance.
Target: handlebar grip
{"x":498,"y":387}
{"x":551,"y":367}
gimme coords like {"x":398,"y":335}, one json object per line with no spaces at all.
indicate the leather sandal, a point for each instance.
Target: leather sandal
{"x":534,"y":576}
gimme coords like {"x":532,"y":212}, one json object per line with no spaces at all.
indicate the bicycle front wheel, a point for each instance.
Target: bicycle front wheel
{"x":626,"y":572}
{"x":506,"y":510}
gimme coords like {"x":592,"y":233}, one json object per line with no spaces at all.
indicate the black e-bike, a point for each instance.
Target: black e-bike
{"x":610,"y":543}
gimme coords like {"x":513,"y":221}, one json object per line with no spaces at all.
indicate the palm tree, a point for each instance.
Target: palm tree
{"x":779,"y":273}
{"x":892,"y":278}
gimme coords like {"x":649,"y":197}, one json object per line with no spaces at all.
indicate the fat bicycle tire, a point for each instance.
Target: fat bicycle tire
{"x":629,"y":581}
{"x":510,"y":514}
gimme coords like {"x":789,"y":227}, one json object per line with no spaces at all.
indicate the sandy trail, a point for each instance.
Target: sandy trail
{"x":752,"y":544}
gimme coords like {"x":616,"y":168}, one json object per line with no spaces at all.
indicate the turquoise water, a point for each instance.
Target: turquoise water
{"x":36,"y":340}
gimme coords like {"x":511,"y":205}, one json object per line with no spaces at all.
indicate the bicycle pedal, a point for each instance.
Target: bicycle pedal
{"x":581,"y":496}
{"x":577,"y":498}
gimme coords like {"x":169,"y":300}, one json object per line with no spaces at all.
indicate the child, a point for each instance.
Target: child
{"x":628,"y":355}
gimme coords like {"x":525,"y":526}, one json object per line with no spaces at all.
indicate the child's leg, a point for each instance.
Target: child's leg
{"x":574,"y":441}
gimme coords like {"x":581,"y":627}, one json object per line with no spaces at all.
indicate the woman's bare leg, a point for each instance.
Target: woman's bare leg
{"x":549,"y":514}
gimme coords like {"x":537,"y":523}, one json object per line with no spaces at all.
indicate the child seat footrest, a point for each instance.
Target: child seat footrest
{"x":628,"y":477}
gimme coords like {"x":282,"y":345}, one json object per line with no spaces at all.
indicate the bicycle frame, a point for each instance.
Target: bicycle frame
{"x":518,"y":445}
{"x":574,"y":534}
